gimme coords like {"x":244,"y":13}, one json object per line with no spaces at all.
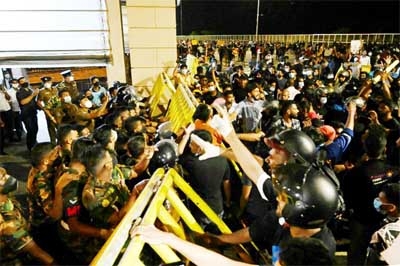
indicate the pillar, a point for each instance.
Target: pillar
{"x":116,"y":67}
{"x":152,"y":40}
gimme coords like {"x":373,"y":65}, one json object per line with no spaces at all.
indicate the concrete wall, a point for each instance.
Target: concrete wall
{"x":152,"y":40}
{"x":116,"y":66}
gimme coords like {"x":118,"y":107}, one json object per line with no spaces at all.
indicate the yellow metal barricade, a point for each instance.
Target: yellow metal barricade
{"x":162,"y":87}
{"x":156,"y":201}
{"x":181,"y":108}
{"x":110,"y":250}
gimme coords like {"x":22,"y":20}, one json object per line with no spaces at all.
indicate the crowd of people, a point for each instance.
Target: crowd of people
{"x":307,"y":124}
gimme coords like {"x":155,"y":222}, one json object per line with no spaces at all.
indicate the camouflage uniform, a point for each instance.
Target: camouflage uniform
{"x":71,"y":87}
{"x":67,"y":113}
{"x":13,"y":232}
{"x":40,"y":187}
{"x":106,"y":197}
{"x":83,"y":247}
{"x":51,"y":106}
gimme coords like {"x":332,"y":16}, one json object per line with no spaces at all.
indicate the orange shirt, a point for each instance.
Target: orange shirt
{"x":217,"y":137}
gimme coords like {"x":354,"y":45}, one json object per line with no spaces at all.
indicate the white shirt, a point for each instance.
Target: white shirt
{"x":14,"y":101}
{"x":365,"y":60}
{"x":292,"y":92}
{"x":4,"y":105}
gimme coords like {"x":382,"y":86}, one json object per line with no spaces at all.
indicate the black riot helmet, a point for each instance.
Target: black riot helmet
{"x":300,"y":146}
{"x":165,"y":155}
{"x":311,"y":196}
{"x":164,"y":131}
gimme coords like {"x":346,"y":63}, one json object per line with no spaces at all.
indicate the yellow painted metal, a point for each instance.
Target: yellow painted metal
{"x":166,"y":218}
{"x":160,"y":188}
{"x":198,"y":201}
{"x":110,"y":250}
{"x":165,"y":252}
{"x":162,"y":85}
{"x":184,"y":213}
{"x":181,"y":108}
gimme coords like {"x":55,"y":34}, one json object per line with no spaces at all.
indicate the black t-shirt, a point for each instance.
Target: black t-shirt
{"x":209,"y":99}
{"x":368,"y":178}
{"x":206,"y":178}
{"x":325,"y":235}
{"x":270,"y":233}
{"x":29,"y":109}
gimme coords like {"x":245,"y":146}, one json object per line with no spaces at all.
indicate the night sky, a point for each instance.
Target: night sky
{"x":285,"y":17}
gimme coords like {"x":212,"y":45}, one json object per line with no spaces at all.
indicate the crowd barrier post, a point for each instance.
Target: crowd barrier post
{"x":110,"y":250}
{"x":153,"y":200}
{"x":162,"y":86}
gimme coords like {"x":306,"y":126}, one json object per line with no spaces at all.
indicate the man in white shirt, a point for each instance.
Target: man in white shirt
{"x":16,"y":122}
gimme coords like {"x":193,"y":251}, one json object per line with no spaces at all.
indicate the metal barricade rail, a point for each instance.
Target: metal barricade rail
{"x":121,"y":249}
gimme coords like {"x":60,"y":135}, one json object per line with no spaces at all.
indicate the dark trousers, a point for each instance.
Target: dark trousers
{"x":17,"y":124}
{"x":360,"y":236}
{"x":31,"y":125}
{"x":7,"y":119}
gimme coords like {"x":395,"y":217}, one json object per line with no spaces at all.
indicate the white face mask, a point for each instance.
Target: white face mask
{"x":272,"y":88}
{"x":67,"y":99}
{"x":184,"y":71}
{"x":323,"y":100}
{"x":47,"y":85}
{"x":71,"y":78}
{"x":88,"y":104}
{"x":301,"y":84}
{"x":292,"y":75}
{"x":14,"y":85}
{"x":211,"y":88}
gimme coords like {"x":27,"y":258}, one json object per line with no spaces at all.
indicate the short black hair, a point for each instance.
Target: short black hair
{"x":93,"y":156}
{"x":136,"y":145}
{"x":102,"y":134}
{"x":63,"y":131}
{"x":79,"y":148}
{"x":304,"y":251}
{"x":39,"y":151}
{"x":375,"y":142}
{"x":392,"y":193}
{"x":202,"y":112}
{"x":285,"y":105}
{"x":131,"y":123}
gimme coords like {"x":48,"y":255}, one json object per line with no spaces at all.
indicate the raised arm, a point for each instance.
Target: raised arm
{"x":196,"y":254}
{"x":243,"y":156}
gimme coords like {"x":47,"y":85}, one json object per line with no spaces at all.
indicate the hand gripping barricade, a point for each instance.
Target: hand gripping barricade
{"x":121,"y":249}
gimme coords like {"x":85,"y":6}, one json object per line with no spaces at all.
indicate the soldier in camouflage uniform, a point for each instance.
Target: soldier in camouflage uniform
{"x":85,"y":114}
{"x":50,"y":103}
{"x":82,"y":238}
{"x":68,"y":109}
{"x":69,"y":84}
{"x":45,"y":203}
{"x":15,"y":241}
{"x":105,"y":195}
